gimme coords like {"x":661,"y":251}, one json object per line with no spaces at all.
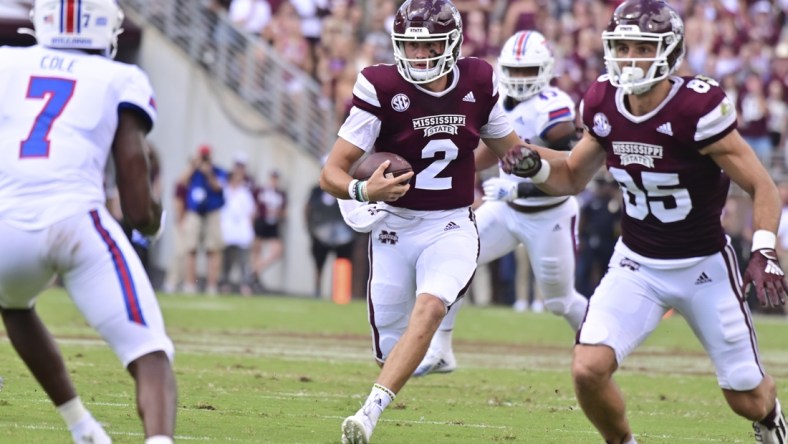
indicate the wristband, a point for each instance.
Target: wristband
{"x":351,"y":189}
{"x":543,"y":173}
{"x":763,"y":239}
{"x":362,"y":191}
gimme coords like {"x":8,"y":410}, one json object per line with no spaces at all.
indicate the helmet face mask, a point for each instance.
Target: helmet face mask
{"x":525,"y":49}
{"x":427,"y":21}
{"x":650,"y":21}
{"x":84,"y":24}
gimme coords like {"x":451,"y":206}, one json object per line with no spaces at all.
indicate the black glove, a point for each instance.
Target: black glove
{"x":521,"y":161}
{"x":764,"y":272}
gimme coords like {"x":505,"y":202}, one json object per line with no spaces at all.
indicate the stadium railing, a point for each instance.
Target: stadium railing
{"x":289,"y":98}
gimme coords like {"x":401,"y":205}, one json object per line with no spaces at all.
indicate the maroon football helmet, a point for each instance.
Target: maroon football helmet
{"x":427,"y":20}
{"x":646,"y":21}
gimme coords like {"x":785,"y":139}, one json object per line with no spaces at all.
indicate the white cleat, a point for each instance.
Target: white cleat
{"x":436,"y":362}
{"x":357,"y":429}
{"x":89,"y":431}
{"x":776,"y":435}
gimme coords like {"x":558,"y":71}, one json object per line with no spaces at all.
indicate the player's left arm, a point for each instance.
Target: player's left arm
{"x":741,"y":164}
{"x":140,"y":208}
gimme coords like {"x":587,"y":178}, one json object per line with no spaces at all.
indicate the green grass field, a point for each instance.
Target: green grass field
{"x":288,"y":370}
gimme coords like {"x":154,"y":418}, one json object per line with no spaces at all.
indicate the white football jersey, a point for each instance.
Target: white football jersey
{"x":58,"y":119}
{"x":532,"y":119}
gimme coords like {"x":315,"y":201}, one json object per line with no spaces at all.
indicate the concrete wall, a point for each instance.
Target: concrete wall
{"x":194,"y":110}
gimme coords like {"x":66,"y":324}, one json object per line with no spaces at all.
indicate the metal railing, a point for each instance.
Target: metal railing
{"x":286,"y":96}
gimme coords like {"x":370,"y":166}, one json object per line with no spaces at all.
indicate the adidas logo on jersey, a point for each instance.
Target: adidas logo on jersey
{"x":451,"y":226}
{"x":469,"y":98}
{"x":665,"y":128}
{"x":557,"y":227}
{"x":702,"y":279}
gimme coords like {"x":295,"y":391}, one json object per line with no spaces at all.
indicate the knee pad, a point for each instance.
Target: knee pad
{"x":390,"y":322}
{"x":572,"y":307}
{"x":549,"y":271}
{"x":742,"y":377}
{"x":559,"y":306}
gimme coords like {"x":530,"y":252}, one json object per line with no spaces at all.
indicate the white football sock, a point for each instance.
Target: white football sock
{"x":159,"y":439}
{"x":72,"y":411}
{"x":378,"y":400}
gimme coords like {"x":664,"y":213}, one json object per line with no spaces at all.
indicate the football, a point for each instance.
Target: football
{"x":371,"y":162}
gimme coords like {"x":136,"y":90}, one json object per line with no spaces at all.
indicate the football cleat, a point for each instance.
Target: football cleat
{"x":436,"y":362}
{"x":357,"y":429}
{"x":776,"y":435}
{"x":89,"y":431}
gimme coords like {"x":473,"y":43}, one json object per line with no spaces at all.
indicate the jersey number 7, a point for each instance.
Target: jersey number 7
{"x":57,"y":93}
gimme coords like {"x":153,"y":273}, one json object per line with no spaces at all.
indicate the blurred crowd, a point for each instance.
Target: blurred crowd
{"x":743,"y":44}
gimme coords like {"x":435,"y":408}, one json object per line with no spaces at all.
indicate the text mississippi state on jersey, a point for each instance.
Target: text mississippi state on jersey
{"x":673,"y":195}
{"x":435,"y":132}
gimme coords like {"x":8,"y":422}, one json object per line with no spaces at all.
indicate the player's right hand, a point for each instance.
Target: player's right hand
{"x":521,"y":161}
{"x":499,"y":189}
{"x":385,"y":187}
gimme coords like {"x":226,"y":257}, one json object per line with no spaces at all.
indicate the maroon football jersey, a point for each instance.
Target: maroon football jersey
{"x":673,"y":195}
{"x":435,"y":132}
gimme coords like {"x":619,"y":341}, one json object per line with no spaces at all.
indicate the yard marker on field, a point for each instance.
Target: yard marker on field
{"x":342,"y":279}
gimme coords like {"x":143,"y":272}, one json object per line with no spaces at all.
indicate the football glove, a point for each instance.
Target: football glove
{"x":521,"y":161}
{"x":499,"y":189}
{"x":765,"y":274}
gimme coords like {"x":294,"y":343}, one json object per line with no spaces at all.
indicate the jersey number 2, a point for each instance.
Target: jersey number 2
{"x":57,"y":93}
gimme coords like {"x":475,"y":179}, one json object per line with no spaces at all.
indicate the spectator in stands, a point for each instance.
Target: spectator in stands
{"x":204,"y":184}
{"x":268,"y":247}
{"x":520,"y":14}
{"x":285,"y":34}
{"x":250,"y":16}
{"x":309,"y":16}
{"x":237,"y":216}
{"x":753,"y":117}
{"x":335,"y":53}
{"x":778,"y":115}
{"x":474,"y":42}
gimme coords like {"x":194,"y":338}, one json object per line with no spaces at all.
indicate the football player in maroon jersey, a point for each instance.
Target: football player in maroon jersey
{"x":432,"y":108}
{"x":672,"y":145}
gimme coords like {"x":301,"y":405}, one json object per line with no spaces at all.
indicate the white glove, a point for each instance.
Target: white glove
{"x":499,"y":189}
{"x":146,"y":241}
{"x":362,"y":216}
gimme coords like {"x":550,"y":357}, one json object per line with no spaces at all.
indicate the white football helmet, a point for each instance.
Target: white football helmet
{"x":645,"y":21}
{"x":427,"y":20}
{"x":78,"y":24}
{"x":525,"y":49}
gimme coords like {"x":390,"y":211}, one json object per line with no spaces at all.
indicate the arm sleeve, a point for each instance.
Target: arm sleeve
{"x":361,"y":128}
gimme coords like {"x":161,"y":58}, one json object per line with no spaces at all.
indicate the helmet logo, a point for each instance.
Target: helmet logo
{"x":417,"y":31}
{"x":627,"y":28}
{"x":400,"y":102}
